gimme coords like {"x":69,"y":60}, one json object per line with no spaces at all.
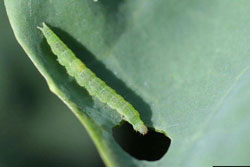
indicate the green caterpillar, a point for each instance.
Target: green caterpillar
{"x":94,"y":85}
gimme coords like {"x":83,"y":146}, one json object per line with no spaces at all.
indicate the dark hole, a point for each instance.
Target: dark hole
{"x":150,"y":147}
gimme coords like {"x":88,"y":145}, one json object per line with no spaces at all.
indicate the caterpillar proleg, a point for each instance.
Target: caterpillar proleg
{"x":94,"y":85}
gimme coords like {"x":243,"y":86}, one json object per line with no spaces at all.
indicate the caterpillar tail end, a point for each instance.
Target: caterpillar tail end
{"x":42,"y":28}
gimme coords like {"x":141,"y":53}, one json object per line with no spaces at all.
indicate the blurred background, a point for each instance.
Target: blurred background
{"x":36,"y":128}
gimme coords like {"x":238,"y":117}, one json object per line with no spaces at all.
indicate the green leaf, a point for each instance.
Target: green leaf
{"x":183,"y":64}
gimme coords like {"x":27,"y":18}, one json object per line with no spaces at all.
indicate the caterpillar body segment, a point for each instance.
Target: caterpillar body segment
{"x":94,"y":85}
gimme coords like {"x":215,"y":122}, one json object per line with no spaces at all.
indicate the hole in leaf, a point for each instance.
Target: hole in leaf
{"x":151,"y":146}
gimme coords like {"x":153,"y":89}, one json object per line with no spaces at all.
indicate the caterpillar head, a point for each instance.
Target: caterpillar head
{"x":140,"y":127}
